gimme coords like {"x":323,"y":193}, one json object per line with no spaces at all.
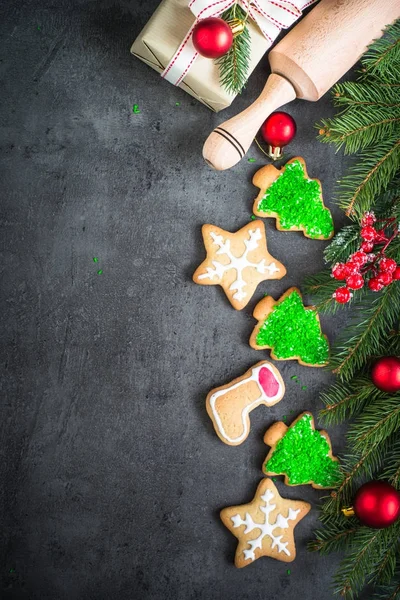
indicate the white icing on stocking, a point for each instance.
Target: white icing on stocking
{"x":239,"y":263}
{"x":268,"y":400}
{"x":266,"y":528}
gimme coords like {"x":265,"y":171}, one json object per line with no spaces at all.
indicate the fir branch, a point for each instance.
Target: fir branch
{"x":345,"y":243}
{"x":351,"y":93}
{"x":234,"y":65}
{"x":336,"y":535}
{"x":373,"y":317}
{"x":321,"y":287}
{"x":391,"y":472}
{"x":382,"y":59}
{"x":379,"y":420}
{"x":342,"y":400}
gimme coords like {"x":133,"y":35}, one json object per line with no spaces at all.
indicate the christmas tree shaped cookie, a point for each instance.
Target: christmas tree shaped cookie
{"x":265,"y":526}
{"x":237,"y":262}
{"x":302,"y":454}
{"x":290,"y":329}
{"x":293,"y":199}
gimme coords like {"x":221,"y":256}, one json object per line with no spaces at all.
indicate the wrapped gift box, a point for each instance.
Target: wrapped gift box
{"x":160,"y":38}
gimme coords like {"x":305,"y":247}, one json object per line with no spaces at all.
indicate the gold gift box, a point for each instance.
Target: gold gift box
{"x":161,"y":37}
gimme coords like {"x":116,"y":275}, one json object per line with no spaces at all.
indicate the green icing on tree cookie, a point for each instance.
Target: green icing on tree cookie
{"x":292,"y":330}
{"x":297,"y":202}
{"x":302,"y":455}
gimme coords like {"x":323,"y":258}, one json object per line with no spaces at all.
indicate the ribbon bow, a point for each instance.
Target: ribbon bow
{"x":270,"y":15}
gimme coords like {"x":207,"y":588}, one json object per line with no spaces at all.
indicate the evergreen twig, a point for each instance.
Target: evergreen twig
{"x":234,"y":65}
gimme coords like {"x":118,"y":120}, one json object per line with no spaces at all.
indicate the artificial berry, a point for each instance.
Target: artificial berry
{"x":368,"y":219}
{"x":360,"y":258}
{"x":375,"y":285}
{"x":368,"y":233}
{"x":342,"y":295}
{"x":387,"y":264}
{"x":396,"y":274}
{"x":367,"y":246}
{"x":384,"y":277}
{"x":355,"y":282}
{"x":352,"y":268}
{"x":339,"y":271}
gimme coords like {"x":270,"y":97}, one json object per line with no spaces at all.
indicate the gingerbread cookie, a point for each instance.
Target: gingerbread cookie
{"x":237,"y":262}
{"x":293,"y":199}
{"x":265,"y":526}
{"x":291,"y":330}
{"x":229,"y":405}
{"x":302,"y":454}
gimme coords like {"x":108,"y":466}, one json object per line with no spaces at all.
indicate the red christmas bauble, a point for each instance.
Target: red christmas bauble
{"x":385,"y":374}
{"x":377,"y":504}
{"x":212,"y":37}
{"x":278,"y":130}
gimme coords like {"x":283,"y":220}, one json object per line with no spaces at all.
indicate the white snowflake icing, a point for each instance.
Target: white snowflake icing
{"x":266,"y":528}
{"x":239,"y":263}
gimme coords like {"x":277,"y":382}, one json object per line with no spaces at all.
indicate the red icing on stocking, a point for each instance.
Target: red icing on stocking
{"x":268,"y":382}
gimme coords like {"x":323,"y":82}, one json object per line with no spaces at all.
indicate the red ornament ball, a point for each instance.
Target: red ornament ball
{"x":212,"y":37}
{"x":342,"y":295}
{"x":279,"y":129}
{"x":377,"y":504}
{"x":385,"y":374}
{"x":369,"y":233}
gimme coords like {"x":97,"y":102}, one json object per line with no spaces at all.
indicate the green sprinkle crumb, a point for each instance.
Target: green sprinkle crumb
{"x":274,"y":479}
{"x":12,"y":570}
{"x":284,"y":418}
{"x":177,"y":103}
{"x":253,"y":217}
{"x":135,"y":109}
{"x":294,"y":377}
{"x":303,"y":387}
{"x":251,"y":160}
{"x":100,"y":272}
{"x":39,"y":26}
{"x":291,"y":412}
{"x":95,"y":259}
{"x":288,"y":571}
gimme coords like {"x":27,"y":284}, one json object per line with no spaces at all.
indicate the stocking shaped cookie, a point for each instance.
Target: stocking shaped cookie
{"x":290,"y":329}
{"x":229,"y":405}
{"x":265,"y":526}
{"x":237,"y":262}
{"x":293,"y":199}
{"x":302,"y":454}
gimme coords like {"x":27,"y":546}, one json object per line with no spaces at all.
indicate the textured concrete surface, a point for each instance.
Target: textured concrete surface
{"x":111,"y":474}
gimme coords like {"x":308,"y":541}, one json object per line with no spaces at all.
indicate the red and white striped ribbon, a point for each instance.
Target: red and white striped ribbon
{"x":270,"y":15}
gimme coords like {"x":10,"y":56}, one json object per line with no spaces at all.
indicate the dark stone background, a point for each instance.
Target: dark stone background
{"x":111,"y":474}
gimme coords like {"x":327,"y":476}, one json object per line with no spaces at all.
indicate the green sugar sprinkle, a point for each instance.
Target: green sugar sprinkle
{"x":177,"y":103}
{"x":274,"y":479}
{"x":302,"y":455}
{"x":292,"y":330}
{"x":95,"y":259}
{"x":297,"y":201}
{"x":303,"y":387}
{"x":253,"y":217}
{"x":100,"y":272}
{"x":288,"y":571}
{"x":294,"y":377}
{"x":251,"y":160}
{"x":135,"y":109}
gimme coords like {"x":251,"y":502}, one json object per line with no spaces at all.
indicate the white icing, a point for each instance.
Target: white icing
{"x":266,"y":528}
{"x":239,"y":263}
{"x":267,"y":399}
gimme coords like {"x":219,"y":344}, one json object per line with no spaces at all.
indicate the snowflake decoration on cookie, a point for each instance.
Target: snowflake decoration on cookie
{"x":266,"y":528}
{"x":237,"y":261}
{"x":265,"y":515}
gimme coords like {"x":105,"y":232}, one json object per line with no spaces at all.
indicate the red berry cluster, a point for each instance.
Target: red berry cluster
{"x":364,"y":266}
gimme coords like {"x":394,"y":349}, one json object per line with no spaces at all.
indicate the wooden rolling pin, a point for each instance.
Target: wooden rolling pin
{"x":319,"y":50}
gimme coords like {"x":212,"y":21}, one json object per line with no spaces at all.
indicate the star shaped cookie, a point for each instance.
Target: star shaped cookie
{"x":237,"y":262}
{"x":265,"y":526}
